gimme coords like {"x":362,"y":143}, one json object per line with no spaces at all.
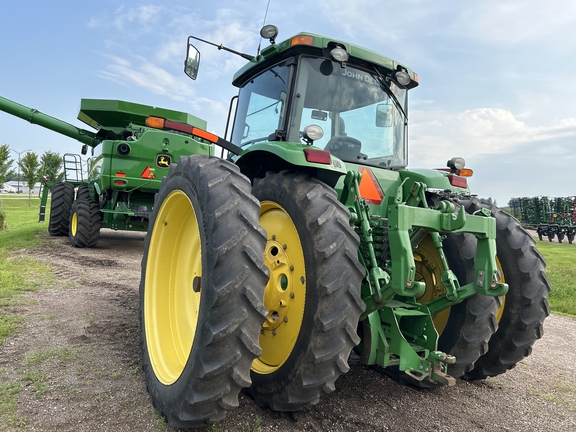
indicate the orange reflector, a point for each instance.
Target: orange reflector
{"x":317,"y":156}
{"x":155,"y":122}
{"x":206,"y":135}
{"x":415,"y":77}
{"x":120,"y":182}
{"x":369,"y":188}
{"x":120,"y":174}
{"x":302,"y":40}
{"x":458,"y":181}
{"x":465,"y":172}
{"x":148,"y":173}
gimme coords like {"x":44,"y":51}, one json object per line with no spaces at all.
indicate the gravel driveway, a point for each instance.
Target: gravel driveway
{"x":76,"y":362}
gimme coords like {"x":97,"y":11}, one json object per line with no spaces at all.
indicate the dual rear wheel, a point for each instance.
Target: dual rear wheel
{"x":487,"y":335}
{"x":242,"y":287}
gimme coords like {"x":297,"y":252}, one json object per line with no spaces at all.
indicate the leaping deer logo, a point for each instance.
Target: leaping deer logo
{"x":163,"y":161}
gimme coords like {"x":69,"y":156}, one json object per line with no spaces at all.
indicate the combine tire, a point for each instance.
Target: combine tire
{"x":313,"y":296}
{"x":201,"y":291}
{"x":60,"y":205}
{"x":525,"y":306}
{"x":83,"y":192}
{"x":84,"y":223}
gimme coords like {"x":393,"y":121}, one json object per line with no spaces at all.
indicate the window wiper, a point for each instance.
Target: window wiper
{"x":390,"y":93}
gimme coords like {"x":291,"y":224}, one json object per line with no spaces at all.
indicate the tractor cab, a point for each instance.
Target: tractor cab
{"x":314,"y":91}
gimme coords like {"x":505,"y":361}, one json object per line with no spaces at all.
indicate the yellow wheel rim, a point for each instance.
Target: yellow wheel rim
{"x":285,"y":294}
{"x":172,"y":287}
{"x":74,"y":223}
{"x":429,"y":269}
{"x":500,"y":310}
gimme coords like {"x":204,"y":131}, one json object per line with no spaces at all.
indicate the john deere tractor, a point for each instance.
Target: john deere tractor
{"x":312,"y":239}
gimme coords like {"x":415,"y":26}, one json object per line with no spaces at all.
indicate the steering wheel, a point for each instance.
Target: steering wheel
{"x":344,"y":147}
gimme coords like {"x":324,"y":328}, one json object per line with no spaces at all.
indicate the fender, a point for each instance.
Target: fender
{"x":256,"y":159}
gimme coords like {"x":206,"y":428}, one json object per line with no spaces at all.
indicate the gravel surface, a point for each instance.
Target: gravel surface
{"x":76,"y":362}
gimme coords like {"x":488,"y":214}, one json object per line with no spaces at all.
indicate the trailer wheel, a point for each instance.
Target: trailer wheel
{"x":60,"y":205}
{"x":313,"y":296}
{"x":84,"y":223}
{"x":201,"y":291}
{"x":523,"y":310}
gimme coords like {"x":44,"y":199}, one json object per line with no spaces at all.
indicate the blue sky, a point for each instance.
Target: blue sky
{"x":497,"y":77}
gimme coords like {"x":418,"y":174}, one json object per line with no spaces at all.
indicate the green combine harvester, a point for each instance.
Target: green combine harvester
{"x":264,"y":270}
{"x":127,"y":162}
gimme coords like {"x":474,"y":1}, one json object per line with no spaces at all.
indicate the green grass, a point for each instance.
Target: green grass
{"x":8,"y":395}
{"x":22,"y":222}
{"x":19,"y":274}
{"x":561,"y":270}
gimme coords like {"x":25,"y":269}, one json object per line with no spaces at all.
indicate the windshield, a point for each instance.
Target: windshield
{"x":361,"y":122}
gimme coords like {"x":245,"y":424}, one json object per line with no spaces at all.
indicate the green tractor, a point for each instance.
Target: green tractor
{"x":265,"y":270}
{"x":128,"y":159}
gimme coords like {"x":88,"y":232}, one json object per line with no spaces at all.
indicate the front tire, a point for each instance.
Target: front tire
{"x":84,"y":223}
{"x":313,"y":296}
{"x":60,"y":206}
{"x":201,"y":291}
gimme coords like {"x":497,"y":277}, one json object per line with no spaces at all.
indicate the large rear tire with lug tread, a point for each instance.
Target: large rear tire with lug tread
{"x":523,"y":310}
{"x":465,"y":328}
{"x":84,"y":223}
{"x":60,"y":205}
{"x":201,"y":291}
{"x":313,"y":296}
{"x":83,"y":192}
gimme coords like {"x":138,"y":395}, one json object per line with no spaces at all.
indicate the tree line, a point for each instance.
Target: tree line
{"x":31,"y":168}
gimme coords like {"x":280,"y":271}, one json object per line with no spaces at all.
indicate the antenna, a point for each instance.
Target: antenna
{"x":263,"y":24}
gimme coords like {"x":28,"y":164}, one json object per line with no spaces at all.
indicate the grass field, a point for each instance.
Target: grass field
{"x":20,"y":274}
{"x":561,"y":270}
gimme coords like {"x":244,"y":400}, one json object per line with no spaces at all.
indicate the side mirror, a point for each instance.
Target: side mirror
{"x":192,"y":62}
{"x":383,"y":115}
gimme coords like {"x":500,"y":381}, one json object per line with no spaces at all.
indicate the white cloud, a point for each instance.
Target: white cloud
{"x":436,"y":135}
{"x":519,"y":21}
{"x":142,"y":73}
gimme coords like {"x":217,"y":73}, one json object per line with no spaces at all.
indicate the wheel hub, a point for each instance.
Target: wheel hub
{"x":285,"y":293}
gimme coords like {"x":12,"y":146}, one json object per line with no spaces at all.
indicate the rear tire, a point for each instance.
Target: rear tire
{"x":201,"y":291}
{"x":525,"y":307}
{"x":472,"y":322}
{"x":464,"y":328}
{"x":60,"y":205}
{"x":84,"y":223}
{"x":313,"y":295}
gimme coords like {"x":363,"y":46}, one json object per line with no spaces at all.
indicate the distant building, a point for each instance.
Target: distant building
{"x":8,"y":189}
{"x":12,"y":187}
